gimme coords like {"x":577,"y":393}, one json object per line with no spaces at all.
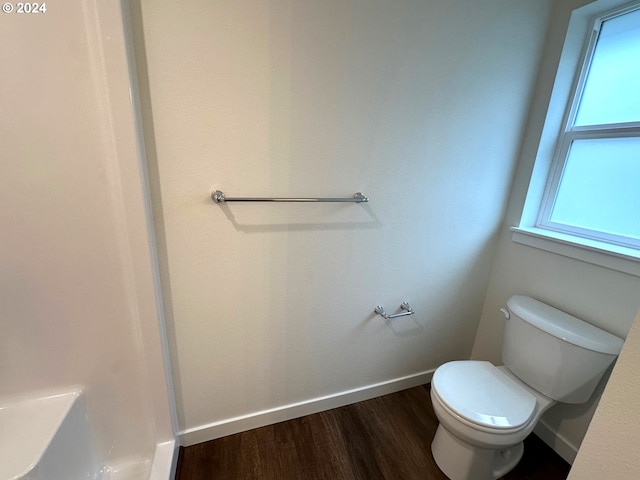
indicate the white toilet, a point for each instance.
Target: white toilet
{"x":485,"y":412}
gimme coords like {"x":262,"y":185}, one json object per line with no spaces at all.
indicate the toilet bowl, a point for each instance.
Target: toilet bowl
{"x":484,"y":404}
{"x":486,"y":411}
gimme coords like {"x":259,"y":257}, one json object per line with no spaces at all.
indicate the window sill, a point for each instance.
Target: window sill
{"x":622,"y":259}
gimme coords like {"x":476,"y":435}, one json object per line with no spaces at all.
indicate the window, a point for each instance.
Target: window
{"x":591,"y":162}
{"x":594,"y":188}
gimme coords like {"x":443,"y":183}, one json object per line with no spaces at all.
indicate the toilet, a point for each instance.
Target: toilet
{"x":486,"y":411}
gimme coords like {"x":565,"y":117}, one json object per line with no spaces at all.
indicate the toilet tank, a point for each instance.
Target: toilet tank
{"x":557,"y":354}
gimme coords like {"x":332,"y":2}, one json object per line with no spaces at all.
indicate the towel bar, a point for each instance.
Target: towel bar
{"x":219,"y":197}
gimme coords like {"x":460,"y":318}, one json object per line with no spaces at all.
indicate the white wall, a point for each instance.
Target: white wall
{"x":77,"y":299}
{"x":606,"y":298}
{"x":418,"y":104}
{"x":610,"y":448}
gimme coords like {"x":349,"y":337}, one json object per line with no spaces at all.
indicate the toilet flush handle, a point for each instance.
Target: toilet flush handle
{"x":506,"y":313}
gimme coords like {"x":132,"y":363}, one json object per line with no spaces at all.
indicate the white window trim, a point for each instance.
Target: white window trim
{"x":618,"y":258}
{"x":568,"y":80}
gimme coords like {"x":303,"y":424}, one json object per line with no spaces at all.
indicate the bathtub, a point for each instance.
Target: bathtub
{"x":49,"y":437}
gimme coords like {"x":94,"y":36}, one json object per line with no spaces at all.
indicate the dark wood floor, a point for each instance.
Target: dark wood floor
{"x":387,"y":437}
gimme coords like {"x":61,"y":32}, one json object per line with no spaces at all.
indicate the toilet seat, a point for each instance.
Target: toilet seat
{"x":481,"y":396}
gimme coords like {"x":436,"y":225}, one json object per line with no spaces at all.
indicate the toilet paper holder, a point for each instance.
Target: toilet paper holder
{"x":404,"y":306}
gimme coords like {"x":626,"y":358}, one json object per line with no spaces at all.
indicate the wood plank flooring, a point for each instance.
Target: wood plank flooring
{"x":386,"y":438}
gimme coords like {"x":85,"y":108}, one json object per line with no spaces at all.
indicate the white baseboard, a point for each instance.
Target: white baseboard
{"x":214,"y":430}
{"x":557,"y":442}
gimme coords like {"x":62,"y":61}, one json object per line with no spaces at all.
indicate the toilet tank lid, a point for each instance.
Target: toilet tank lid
{"x":564,"y":326}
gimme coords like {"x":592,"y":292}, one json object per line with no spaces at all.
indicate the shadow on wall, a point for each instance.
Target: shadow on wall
{"x":565,"y":413}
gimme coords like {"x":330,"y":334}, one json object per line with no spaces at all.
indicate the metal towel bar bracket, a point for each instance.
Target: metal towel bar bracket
{"x":404,"y":306}
{"x":219,"y":197}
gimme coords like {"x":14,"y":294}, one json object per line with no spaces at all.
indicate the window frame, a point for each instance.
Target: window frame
{"x":569,"y":133}
{"x":561,"y":75}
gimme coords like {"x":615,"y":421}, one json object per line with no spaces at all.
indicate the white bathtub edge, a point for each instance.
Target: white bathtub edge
{"x":165,"y":461}
{"x":31,"y":425}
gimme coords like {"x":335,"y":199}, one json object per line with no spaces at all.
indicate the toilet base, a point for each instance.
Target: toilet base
{"x":460,"y":460}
